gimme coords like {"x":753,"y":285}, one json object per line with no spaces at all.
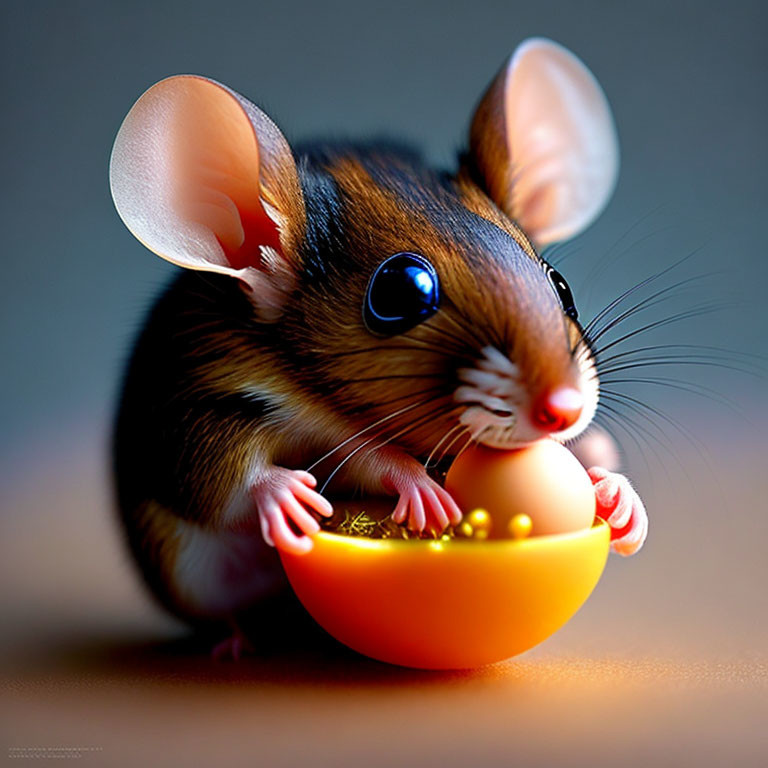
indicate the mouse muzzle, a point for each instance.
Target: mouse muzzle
{"x":540,"y":381}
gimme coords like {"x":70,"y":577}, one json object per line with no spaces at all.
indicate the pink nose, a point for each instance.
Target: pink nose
{"x":559,"y":409}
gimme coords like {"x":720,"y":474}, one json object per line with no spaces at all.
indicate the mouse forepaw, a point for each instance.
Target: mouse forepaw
{"x":281,"y":495}
{"x":423,"y":504}
{"x":622,"y":508}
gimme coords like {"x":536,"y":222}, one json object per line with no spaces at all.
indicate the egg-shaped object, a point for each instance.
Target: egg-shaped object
{"x":544,"y":481}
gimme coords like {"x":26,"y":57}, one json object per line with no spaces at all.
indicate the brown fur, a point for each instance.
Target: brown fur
{"x":188,"y":433}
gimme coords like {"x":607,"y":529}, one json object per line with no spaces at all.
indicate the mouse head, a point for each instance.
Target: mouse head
{"x":407,"y":299}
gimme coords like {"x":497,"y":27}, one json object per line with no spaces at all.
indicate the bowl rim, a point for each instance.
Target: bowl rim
{"x":530,"y":542}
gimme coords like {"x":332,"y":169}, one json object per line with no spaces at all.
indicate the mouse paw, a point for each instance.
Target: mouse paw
{"x":620,"y":506}
{"x":423,"y":503}
{"x":285,"y":494}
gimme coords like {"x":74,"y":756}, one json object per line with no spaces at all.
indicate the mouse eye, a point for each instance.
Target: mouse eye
{"x":563,"y":292}
{"x":403,"y":292}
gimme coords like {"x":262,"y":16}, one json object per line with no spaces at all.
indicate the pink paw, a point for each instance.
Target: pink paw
{"x":284,"y":494}
{"x":620,"y":506}
{"x":231,"y":648}
{"x":423,"y":503}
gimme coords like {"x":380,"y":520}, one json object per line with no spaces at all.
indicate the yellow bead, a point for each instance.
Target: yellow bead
{"x":478,"y":516}
{"x":520,"y":526}
{"x":465,"y":529}
{"x":480,"y":520}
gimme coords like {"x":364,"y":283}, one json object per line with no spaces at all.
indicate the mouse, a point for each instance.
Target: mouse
{"x":345,"y":312}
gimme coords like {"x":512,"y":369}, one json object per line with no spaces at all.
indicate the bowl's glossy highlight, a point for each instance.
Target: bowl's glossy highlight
{"x":447,"y":604}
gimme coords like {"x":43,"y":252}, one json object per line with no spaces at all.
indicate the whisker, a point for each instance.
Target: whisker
{"x":595,"y":270}
{"x":650,"y":301}
{"x":686,"y":315}
{"x":673,"y":362}
{"x":729,"y":354}
{"x":466,"y":432}
{"x":363,"y":431}
{"x":684,"y":431}
{"x":608,"y":253}
{"x":414,"y":425}
{"x":473,"y":439}
{"x":667,"y":445}
{"x":637,"y":287}
{"x":448,"y":433}
{"x":683,"y":386}
{"x":600,"y":421}
{"x":639,"y":407}
{"x":618,"y":418}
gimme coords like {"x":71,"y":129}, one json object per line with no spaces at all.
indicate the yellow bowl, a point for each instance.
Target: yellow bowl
{"x":446,"y":604}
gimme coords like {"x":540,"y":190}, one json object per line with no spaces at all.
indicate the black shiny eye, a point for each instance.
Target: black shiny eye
{"x":403,"y":292}
{"x":563,"y":292}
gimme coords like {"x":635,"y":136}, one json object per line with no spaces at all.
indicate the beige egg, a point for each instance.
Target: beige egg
{"x":544,"y":481}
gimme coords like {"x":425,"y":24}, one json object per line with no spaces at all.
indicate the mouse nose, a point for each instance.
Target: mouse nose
{"x":559,"y":409}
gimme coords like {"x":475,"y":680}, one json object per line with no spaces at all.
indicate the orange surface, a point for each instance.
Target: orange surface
{"x":446,"y":604}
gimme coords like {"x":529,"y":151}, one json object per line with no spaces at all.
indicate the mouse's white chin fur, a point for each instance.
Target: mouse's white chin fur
{"x":498,"y":404}
{"x":506,"y":433}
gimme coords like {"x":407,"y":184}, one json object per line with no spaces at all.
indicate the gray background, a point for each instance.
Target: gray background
{"x":666,"y":663}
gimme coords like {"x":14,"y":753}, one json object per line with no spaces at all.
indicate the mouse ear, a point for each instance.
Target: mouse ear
{"x":205,"y":179}
{"x":544,"y":143}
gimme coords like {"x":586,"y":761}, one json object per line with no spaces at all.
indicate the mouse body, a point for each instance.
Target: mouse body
{"x":348,"y":310}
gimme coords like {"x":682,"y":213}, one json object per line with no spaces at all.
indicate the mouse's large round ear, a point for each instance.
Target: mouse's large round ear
{"x":543,"y":142}
{"x":206,"y":180}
